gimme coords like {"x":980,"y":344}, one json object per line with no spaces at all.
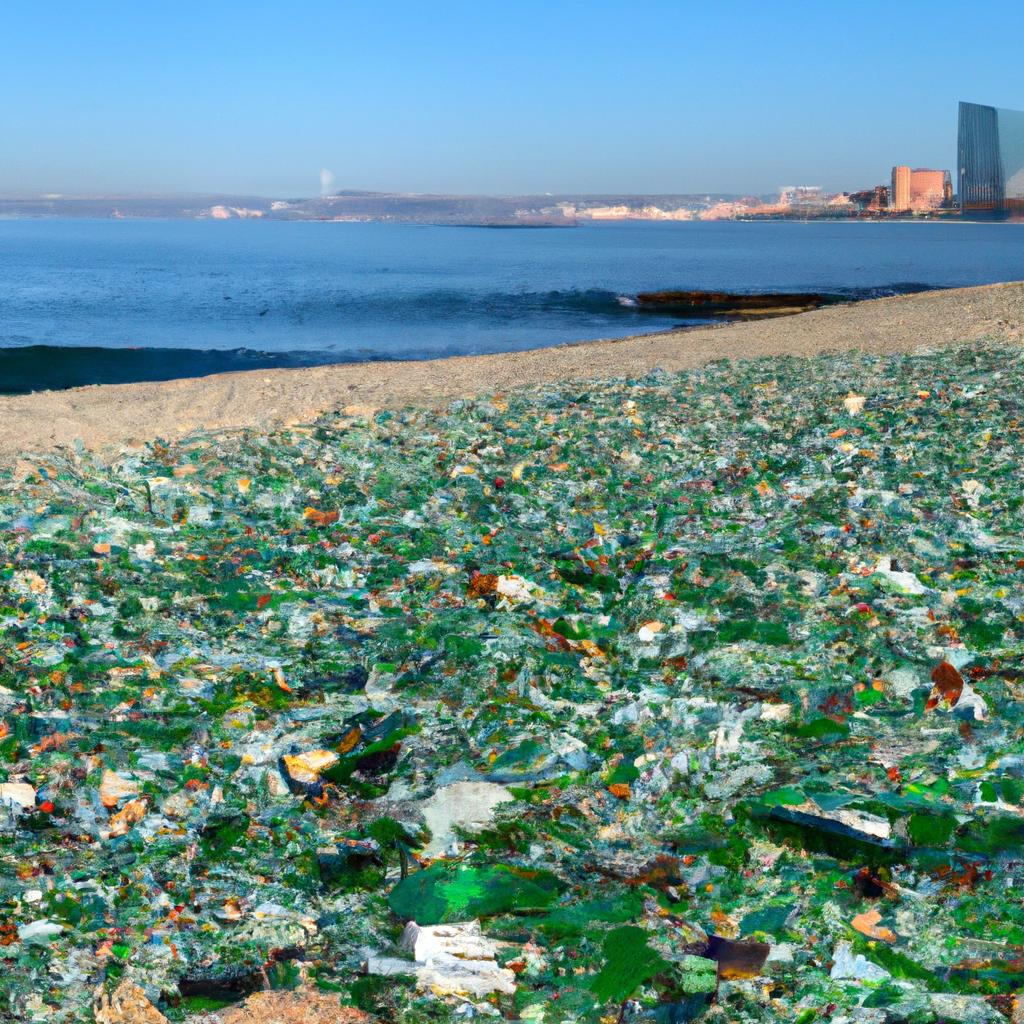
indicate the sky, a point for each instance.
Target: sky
{"x":491,"y":96}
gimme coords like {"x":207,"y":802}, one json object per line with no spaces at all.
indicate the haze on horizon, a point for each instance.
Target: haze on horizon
{"x":647,"y":97}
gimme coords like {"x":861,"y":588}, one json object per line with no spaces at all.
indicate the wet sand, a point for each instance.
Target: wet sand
{"x":107,"y":416}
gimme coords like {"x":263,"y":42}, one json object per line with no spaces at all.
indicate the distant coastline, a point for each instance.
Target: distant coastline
{"x":566,"y":210}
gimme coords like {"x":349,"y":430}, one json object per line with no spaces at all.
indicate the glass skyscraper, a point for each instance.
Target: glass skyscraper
{"x":990,"y":147}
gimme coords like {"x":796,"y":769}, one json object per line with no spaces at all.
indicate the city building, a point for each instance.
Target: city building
{"x":871,"y":200}
{"x":919,"y":190}
{"x":840,"y":203}
{"x":928,"y":189}
{"x":899,"y":193}
{"x":990,"y":161}
{"x":801,"y":195}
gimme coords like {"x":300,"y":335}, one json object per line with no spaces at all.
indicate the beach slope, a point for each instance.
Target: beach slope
{"x":109,"y":415}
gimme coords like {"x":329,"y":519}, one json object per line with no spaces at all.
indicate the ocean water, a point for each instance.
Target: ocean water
{"x":84,"y":301}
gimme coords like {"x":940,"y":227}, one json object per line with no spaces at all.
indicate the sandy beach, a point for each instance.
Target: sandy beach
{"x":106,"y":416}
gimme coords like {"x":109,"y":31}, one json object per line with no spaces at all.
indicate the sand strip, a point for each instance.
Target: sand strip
{"x":108,"y":415}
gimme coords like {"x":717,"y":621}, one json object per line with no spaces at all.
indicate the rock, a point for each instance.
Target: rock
{"x":127,"y":1004}
{"x":514,"y":590}
{"x":221,"y":981}
{"x":302,"y":771}
{"x":853,"y":824}
{"x":19,"y":794}
{"x":628,"y":714}
{"x":737,"y":959}
{"x":114,"y":788}
{"x":450,"y":975}
{"x":39,"y":931}
{"x":571,"y":751}
{"x":906,"y":582}
{"x":44,"y":723}
{"x":728,"y":305}
{"x":468,"y":805}
{"x":348,"y":855}
{"x":847,"y":967}
{"x":131,"y":814}
{"x":854,"y":403}
{"x":966,"y":1009}
{"x":456,"y":959}
{"x":460,"y":939}
{"x":389,"y":966}
{"x":302,"y":1006}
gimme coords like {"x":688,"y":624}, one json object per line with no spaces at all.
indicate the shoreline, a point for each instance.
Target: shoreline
{"x":103,"y":416}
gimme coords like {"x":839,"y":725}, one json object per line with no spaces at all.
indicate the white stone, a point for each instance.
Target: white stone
{"x":904,"y":681}
{"x":571,"y":750}
{"x":450,"y":975}
{"x":847,"y":967}
{"x":775,"y":712}
{"x":968,"y":1009}
{"x":463,"y":939}
{"x":39,"y":931}
{"x":628,"y":714}
{"x":970,"y":698}
{"x":423,"y":567}
{"x":469,"y":805}
{"x":19,"y":793}
{"x":906,"y":581}
{"x":389,"y":966}
{"x":516,"y":589}
{"x":862,"y":821}
{"x":456,"y":959}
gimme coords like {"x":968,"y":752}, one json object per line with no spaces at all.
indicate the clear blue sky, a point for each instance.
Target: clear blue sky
{"x":497,"y":97}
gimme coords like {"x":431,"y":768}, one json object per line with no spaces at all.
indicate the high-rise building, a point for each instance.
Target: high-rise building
{"x":990,"y":164}
{"x":918,"y":190}
{"x":928,"y":189}
{"x":899,"y":194}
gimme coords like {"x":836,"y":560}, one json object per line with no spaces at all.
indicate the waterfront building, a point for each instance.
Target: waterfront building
{"x":919,"y":190}
{"x":990,"y":164}
{"x":871,"y":200}
{"x":899,"y":193}
{"x":928,"y":189}
{"x":801,"y":196}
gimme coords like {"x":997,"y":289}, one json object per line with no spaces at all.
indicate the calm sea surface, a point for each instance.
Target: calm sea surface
{"x":84,"y":301}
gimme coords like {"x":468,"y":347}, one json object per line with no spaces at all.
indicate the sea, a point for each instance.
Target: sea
{"x":97,"y":301}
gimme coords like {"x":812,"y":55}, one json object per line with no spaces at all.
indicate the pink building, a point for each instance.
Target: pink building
{"x":918,"y":190}
{"x":899,"y":194}
{"x":927,"y":189}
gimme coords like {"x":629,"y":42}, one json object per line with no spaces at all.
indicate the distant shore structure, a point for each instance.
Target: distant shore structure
{"x":987,"y":184}
{"x":990,"y":161}
{"x":919,"y":190}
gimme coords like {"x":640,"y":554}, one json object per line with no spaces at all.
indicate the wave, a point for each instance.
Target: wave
{"x":447,"y":303}
{"x":253,"y":316}
{"x":444,"y":303}
{"x":885,"y":291}
{"x":27,"y":367}
{"x":439,"y":306}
